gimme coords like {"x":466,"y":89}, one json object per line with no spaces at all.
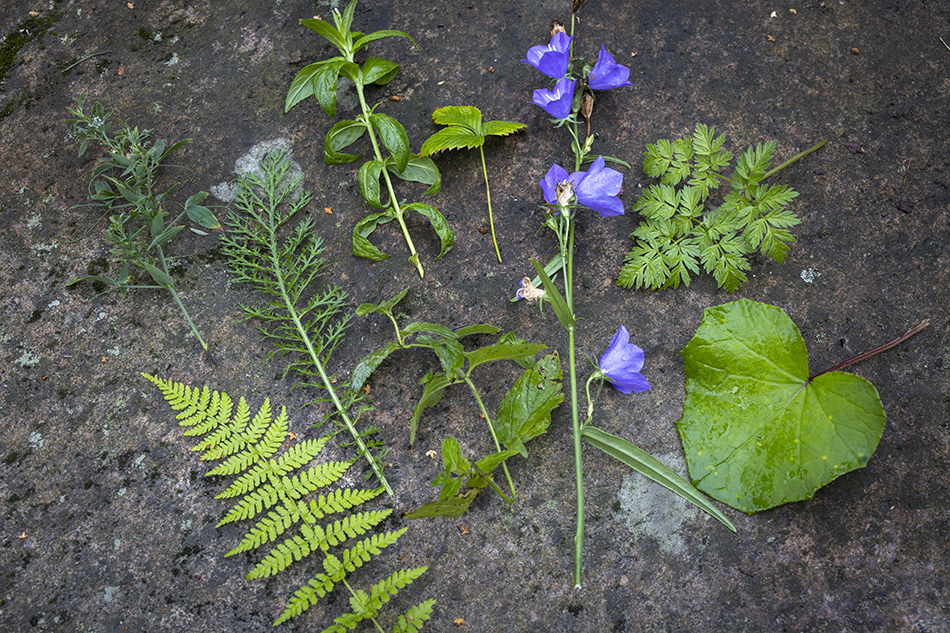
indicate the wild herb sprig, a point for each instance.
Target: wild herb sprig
{"x":525,"y":411}
{"x":465,"y":128}
{"x":320,"y":81}
{"x":677,"y":233}
{"x":125,"y":185}
{"x":598,"y":189}
{"x":285,"y":262}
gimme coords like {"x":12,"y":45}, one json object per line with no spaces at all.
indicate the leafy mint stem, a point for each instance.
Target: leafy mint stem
{"x":877,"y":350}
{"x":399,"y":213}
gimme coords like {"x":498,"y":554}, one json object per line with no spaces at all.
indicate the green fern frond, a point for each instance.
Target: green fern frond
{"x":415,"y":617}
{"x":272,"y":482}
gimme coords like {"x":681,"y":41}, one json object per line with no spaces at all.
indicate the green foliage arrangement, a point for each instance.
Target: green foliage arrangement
{"x":276,"y":493}
{"x":524,"y":413}
{"x":678,"y":234}
{"x":320,"y":81}
{"x":466,"y":129}
{"x":125,"y":185}
{"x":759,"y":430}
{"x":302,"y":322}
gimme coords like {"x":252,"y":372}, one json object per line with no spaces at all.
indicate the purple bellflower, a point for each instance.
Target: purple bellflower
{"x":552,"y":59}
{"x":557,"y":103}
{"x":621,"y":364}
{"x":607,"y":73}
{"x":597,"y":188}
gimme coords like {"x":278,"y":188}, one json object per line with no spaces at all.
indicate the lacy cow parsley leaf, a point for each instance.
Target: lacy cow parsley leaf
{"x":757,"y":429}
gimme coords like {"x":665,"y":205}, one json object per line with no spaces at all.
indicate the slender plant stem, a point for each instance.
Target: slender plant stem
{"x":491,"y":427}
{"x":315,"y":358}
{"x":877,"y":350}
{"x":578,"y":465}
{"x":354,"y":594}
{"x":491,"y":220}
{"x":181,"y":306}
{"x":794,"y":158}
{"x":414,"y":256}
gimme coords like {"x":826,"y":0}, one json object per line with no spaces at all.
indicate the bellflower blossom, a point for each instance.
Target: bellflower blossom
{"x":552,"y":59}
{"x":608,"y":74}
{"x":597,"y":188}
{"x":557,"y":103}
{"x":622,"y":362}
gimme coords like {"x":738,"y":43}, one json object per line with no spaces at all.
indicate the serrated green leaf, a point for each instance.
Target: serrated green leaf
{"x":757,"y":430}
{"x":502,"y":351}
{"x":454,"y":137}
{"x":365,"y":368}
{"x":525,"y":412}
{"x":501,"y":128}
{"x":468,"y":117}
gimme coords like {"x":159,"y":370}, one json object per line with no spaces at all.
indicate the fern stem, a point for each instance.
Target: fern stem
{"x":414,"y":256}
{"x":794,"y":158}
{"x":491,"y":220}
{"x":353,"y":593}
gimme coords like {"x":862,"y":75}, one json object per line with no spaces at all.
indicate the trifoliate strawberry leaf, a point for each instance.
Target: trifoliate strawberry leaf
{"x":757,"y":429}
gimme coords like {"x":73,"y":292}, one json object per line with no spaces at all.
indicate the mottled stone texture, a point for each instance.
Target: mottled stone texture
{"x":107,"y":524}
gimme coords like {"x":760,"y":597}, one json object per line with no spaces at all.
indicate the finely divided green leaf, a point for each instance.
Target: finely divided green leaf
{"x":757,"y":431}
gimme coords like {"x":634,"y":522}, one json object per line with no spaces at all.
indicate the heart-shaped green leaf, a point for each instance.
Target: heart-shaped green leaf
{"x":758,"y":431}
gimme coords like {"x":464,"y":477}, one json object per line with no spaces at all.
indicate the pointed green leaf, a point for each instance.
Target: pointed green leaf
{"x":327,"y":31}
{"x":526,"y":409}
{"x":379,"y":71}
{"x":758,"y":432}
{"x":302,"y":86}
{"x":160,"y":276}
{"x":362,"y":247}
{"x":369,"y":182}
{"x":453,"y":507}
{"x":363,"y":40}
{"x":325,"y":82}
{"x":563,"y":312}
{"x":481,"y":328}
{"x":435,"y":385}
{"x":342,"y":134}
{"x":386,"y":307}
{"x":420,"y":170}
{"x":502,"y":351}
{"x":646,"y":464}
{"x":365,"y":368}
{"x":393,"y":136}
{"x":442,"y":228}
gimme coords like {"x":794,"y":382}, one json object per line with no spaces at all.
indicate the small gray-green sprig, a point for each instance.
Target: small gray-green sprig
{"x":304,"y":323}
